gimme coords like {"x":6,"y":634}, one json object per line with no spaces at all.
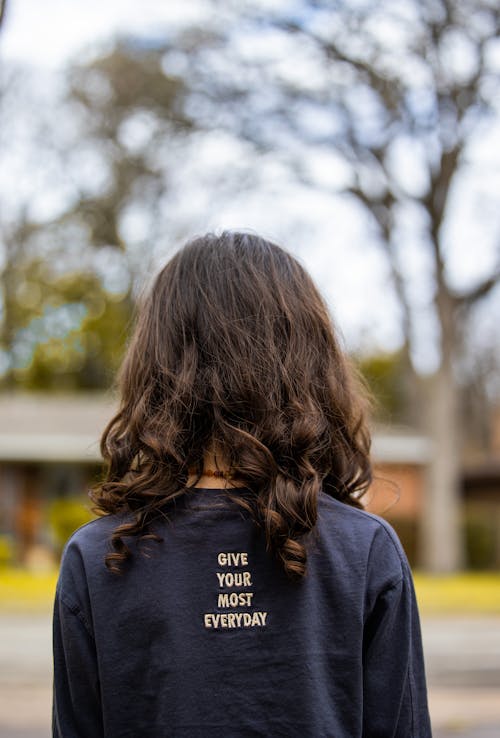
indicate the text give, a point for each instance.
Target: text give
{"x":232,"y":559}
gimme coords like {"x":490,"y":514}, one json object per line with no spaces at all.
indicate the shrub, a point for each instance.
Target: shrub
{"x":6,"y":550}
{"x":480,"y":541}
{"x":65,"y":515}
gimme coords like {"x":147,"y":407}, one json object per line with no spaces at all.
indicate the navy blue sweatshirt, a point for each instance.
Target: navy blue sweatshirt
{"x":208,"y":637}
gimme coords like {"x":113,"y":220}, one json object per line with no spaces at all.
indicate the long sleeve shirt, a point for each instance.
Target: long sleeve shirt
{"x":208,"y":637}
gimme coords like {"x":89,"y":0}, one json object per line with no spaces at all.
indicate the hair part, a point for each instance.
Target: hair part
{"x":234,"y":345}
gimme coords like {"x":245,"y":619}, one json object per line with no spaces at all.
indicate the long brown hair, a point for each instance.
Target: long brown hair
{"x":234,"y":345}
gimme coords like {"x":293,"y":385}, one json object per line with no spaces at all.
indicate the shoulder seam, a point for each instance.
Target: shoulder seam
{"x":78,"y":612}
{"x":380,"y":523}
{"x":401,"y":578}
{"x":384,"y":525}
{"x":89,"y":522}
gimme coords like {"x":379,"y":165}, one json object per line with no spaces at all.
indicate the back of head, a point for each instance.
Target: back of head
{"x":234,"y":346}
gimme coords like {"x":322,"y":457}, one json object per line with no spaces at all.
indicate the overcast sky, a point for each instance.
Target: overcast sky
{"x":52,"y":32}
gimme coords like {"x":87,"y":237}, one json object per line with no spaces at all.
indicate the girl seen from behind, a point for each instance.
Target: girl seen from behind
{"x":232,"y":584}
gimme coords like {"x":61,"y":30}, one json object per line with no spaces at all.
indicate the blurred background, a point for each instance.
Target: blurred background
{"x":365,"y":138}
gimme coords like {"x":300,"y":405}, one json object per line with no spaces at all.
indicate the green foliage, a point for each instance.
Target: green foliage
{"x":6,"y":551}
{"x":480,"y":541}
{"x":65,"y":515}
{"x":71,"y":332}
{"x":64,"y":319}
{"x":384,"y":374}
{"x":128,"y":79}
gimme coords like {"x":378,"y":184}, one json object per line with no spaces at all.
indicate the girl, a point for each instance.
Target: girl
{"x":233,"y":585}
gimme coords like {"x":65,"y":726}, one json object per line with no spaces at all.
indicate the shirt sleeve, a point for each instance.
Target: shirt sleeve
{"x":394,"y":686}
{"x":76,"y":706}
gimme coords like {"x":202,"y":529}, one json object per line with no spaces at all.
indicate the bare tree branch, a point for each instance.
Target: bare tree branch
{"x":332,"y":51}
{"x":437,"y":197}
{"x":478,"y":292}
{"x":3,"y":8}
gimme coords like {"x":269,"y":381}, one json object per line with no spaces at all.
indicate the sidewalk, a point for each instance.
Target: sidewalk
{"x":466,"y":712}
{"x":462,"y":657}
{"x":462,"y":651}
{"x":462,"y":661}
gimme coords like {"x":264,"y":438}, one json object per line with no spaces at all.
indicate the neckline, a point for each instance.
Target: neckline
{"x":214,"y":498}
{"x":217,"y":491}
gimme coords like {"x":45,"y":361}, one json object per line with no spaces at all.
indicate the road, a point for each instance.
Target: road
{"x":462,"y":661}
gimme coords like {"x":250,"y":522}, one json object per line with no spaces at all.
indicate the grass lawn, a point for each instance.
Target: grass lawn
{"x":462,"y":594}
{"x":471,"y":593}
{"x":23,"y":591}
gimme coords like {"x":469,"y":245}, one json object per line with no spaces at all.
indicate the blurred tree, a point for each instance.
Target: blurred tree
{"x":480,"y":402}
{"x":96,"y":194}
{"x":401,"y":99}
{"x":68,"y":280}
{"x":385,"y":374}
{"x":77,"y":339}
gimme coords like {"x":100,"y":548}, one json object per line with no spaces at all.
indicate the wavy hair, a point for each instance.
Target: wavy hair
{"x":233,"y":344}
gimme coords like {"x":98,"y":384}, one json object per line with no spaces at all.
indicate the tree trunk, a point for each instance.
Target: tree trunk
{"x":442,"y":548}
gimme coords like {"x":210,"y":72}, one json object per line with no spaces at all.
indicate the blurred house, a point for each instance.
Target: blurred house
{"x":49,"y":451}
